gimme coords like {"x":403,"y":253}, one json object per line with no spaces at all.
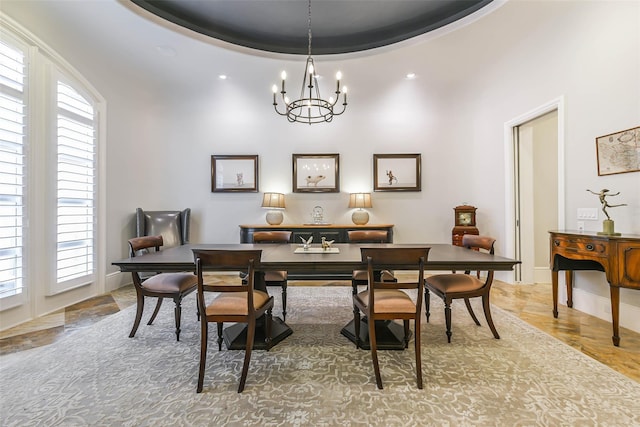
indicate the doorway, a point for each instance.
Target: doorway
{"x":535,"y":198}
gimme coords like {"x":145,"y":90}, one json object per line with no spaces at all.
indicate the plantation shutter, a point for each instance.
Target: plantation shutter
{"x":76,"y":189}
{"x":12,"y":169}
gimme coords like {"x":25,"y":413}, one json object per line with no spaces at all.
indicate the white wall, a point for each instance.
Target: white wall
{"x":470,"y":82}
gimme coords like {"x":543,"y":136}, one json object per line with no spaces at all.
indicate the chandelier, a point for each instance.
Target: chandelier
{"x":310,"y":107}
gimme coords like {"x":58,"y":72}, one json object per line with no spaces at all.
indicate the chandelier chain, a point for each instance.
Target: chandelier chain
{"x":309,"y":28}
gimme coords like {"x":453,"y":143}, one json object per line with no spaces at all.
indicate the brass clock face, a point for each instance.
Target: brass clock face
{"x":464,"y":218}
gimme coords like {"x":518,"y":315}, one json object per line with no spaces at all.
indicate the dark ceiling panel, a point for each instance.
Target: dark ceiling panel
{"x":338,"y":26}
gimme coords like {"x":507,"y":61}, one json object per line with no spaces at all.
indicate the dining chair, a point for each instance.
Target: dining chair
{"x":160,"y":286}
{"x":388,"y":300}
{"x":240,"y":303}
{"x":359,"y":277}
{"x":454,"y":286}
{"x":275,"y":278}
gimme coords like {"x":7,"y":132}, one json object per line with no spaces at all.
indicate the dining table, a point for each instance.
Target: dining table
{"x":294,"y":258}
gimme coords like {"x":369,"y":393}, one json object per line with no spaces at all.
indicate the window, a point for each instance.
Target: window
{"x":50,"y":118}
{"x":12,"y":169}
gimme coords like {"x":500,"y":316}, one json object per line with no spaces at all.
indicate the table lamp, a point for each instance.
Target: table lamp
{"x":275,"y":203}
{"x":360,"y":200}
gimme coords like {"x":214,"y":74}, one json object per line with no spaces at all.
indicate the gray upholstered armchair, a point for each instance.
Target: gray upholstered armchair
{"x":173,"y":226}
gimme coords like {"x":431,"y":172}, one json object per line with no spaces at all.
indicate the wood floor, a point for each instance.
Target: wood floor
{"x":531,"y":303}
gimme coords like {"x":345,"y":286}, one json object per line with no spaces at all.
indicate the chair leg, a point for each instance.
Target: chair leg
{"x":374,"y":351}
{"x":178,"y":314}
{"x":204,"y":332}
{"x":155,"y":311}
{"x":220,"y":324}
{"x":356,"y":324}
{"x":139,"y":310}
{"x":284,"y":301}
{"x":470,"y":310}
{"x":418,"y":351}
{"x":268,"y":322}
{"x":251,"y":330}
{"x":406,"y":333}
{"x":427,"y":303}
{"x":487,"y":315}
{"x":447,"y":316}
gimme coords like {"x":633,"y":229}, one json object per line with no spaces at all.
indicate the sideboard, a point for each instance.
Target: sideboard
{"x":617,"y":256}
{"x":337,"y":232}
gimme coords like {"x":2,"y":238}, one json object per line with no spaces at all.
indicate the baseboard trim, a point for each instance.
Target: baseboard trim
{"x":600,"y":307}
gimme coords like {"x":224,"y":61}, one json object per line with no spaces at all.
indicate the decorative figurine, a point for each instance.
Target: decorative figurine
{"x":318,"y":215}
{"x":306,"y":243}
{"x":326,"y":244}
{"x":607,"y":224}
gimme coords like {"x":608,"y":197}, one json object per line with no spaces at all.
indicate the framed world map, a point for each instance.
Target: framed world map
{"x":619,"y":152}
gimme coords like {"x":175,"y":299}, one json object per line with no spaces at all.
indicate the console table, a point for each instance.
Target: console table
{"x":617,"y":256}
{"x":337,"y":232}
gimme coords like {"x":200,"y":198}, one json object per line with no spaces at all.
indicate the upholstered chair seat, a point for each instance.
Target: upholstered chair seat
{"x":275,"y":276}
{"x":169,"y":283}
{"x":447,"y":283}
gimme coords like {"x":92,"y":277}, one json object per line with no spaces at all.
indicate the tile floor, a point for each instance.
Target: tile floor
{"x":531,"y":303}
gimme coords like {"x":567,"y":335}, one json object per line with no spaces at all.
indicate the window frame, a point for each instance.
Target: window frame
{"x":41,"y":293}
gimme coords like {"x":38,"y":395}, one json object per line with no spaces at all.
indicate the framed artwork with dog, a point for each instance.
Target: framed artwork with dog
{"x":231,"y":174}
{"x":316,"y":173}
{"x":397,"y":172}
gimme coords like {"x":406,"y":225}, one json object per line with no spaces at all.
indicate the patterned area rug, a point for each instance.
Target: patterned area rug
{"x":316,"y":377}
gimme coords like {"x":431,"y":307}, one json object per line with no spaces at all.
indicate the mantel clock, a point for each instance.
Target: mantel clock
{"x":465,"y":223}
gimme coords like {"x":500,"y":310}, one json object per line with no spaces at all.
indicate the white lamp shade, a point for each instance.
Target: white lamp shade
{"x":360,"y":200}
{"x":273,"y":201}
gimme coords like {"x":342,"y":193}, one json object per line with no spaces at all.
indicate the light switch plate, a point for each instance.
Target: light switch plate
{"x":588,"y":213}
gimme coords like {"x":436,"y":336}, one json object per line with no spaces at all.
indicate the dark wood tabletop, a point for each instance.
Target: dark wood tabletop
{"x":283,"y":257}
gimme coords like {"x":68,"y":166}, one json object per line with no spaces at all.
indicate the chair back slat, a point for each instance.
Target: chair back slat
{"x":396,"y":259}
{"x":137,"y":244}
{"x":472,"y":241}
{"x":368,"y":236}
{"x":272,"y":236}
{"x":226,"y":260}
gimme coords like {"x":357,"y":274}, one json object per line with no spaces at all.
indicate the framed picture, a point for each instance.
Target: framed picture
{"x":619,"y":152}
{"x":234,"y":174}
{"x":396,"y":172}
{"x":316,"y":173}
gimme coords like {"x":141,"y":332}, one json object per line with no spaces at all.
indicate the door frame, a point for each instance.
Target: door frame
{"x":511,"y":224}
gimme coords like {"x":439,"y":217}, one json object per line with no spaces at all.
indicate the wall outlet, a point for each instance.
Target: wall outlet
{"x":581,"y":225}
{"x":588,"y":213}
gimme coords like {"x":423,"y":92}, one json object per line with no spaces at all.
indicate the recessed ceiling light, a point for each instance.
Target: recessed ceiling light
{"x":411,"y":76}
{"x":222,"y":77}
